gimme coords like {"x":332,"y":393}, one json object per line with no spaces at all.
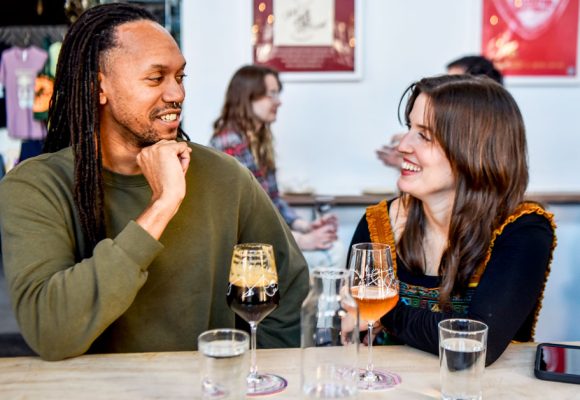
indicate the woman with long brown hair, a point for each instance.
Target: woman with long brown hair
{"x":463,"y":240}
{"x":243,"y":131}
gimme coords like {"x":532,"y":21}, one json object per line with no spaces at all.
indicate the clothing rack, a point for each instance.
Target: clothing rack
{"x":27,"y":35}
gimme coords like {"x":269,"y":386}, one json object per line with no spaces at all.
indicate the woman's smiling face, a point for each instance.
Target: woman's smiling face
{"x":425,"y":170}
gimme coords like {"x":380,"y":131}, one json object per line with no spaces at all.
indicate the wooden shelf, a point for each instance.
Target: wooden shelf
{"x":368,"y":199}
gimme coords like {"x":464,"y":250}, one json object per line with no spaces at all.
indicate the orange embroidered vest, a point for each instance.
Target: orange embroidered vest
{"x":380,"y":230}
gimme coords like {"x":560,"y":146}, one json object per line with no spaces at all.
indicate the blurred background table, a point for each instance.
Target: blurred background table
{"x":175,"y":376}
{"x":373,"y":198}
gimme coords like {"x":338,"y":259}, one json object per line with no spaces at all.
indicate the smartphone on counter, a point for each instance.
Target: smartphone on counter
{"x":558,"y":362}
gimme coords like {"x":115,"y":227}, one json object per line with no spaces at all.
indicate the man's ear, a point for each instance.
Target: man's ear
{"x":102,"y":95}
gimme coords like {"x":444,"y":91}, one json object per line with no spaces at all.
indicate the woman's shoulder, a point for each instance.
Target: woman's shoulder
{"x":384,"y":221}
{"x":527,"y":216}
{"x":227,"y":138}
{"x":529,"y":225}
{"x":214,"y":164}
{"x":387,"y":206}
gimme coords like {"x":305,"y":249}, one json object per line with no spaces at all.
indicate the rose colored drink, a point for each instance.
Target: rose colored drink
{"x":374,"y":302}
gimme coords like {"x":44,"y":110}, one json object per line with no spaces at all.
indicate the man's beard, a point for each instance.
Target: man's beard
{"x":146,"y":138}
{"x":149,"y":139}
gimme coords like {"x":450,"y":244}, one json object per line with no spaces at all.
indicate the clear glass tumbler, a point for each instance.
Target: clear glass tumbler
{"x":224,"y":363}
{"x":462,"y":349}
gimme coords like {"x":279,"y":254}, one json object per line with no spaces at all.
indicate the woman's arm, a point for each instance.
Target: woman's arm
{"x":505,"y":296}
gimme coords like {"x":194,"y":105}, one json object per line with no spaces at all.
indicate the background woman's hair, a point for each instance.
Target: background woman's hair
{"x":237,"y":115}
{"x":73,"y":118}
{"x":481,"y":131}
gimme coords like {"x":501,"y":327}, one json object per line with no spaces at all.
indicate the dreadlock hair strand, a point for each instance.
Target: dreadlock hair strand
{"x":73,"y":118}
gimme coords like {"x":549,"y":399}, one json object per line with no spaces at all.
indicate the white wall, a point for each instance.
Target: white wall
{"x":326,"y":132}
{"x":560,"y":316}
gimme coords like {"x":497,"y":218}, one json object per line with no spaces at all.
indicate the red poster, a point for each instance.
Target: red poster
{"x":305,"y":35}
{"x":535,"y":38}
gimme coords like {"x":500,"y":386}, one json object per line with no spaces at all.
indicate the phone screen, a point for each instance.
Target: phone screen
{"x":559,"y":359}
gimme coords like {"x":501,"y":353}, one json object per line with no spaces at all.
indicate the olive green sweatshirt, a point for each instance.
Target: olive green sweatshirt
{"x":137,"y":294}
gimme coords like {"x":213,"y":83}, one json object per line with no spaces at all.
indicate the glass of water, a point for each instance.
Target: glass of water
{"x":462,"y":348}
{"x":224,"y":363}
{"x":322,"y":206}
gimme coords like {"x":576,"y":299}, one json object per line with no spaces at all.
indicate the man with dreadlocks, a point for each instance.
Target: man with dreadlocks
{"x":119,"y":238}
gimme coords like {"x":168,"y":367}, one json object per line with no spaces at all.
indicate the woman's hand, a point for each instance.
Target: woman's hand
{"x":317,"y":239}
{"x":327,"y":219}
{"x":377,"y":328}
{"x":389,"y":154}
{"x":348,"y":326}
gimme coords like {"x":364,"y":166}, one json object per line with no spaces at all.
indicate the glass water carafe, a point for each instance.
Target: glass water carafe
{"x":329,"y":336}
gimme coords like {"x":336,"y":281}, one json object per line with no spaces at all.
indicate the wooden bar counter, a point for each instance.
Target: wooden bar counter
{"x":175,"y":376}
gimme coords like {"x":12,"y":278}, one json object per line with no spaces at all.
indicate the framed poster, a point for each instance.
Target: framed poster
{"x":308,"y":39}
{"x":532,"y":41}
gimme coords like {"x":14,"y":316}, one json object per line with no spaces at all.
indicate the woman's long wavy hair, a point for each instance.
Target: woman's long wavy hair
{"x":237,"y":115}
{"x":481,"y":131}
{"x":73,"y":118}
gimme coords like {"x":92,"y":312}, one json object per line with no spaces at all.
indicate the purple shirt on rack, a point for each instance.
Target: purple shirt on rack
{"x":18,"y":71}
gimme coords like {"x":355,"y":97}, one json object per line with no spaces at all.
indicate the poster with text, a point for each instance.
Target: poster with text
{"x":532,"y":38}
{"x":312,"y":39}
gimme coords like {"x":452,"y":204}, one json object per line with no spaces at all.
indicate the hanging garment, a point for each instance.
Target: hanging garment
{"x":43,"y":88}
{"x":18,"y":70}
{"x":3,"y":46}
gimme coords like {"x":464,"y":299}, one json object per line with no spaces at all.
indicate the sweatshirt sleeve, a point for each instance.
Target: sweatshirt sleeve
{"x":63,"y":304}
{"x":506,"y":294}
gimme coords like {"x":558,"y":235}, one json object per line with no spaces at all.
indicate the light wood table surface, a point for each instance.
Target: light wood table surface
{"x":175,"y":376}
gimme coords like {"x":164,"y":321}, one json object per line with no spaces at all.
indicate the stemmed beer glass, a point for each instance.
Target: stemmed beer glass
{"x":376,"y":291}
{"x":253,"y":294}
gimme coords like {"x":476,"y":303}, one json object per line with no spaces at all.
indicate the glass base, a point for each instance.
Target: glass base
{"x":378,"y":380}
{"x":445,"y":396}
{"x":265,"y":384}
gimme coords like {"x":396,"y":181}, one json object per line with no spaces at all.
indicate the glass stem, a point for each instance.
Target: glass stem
{"x":253,"y":365}
{"x":370,"y":346}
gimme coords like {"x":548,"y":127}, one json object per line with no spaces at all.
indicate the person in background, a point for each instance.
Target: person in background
{"x":472,"y":65}
{"x":475,"y":65}
{"x":119,"y":238}
{"x":243,"y":130}
{"x":463,"y":240}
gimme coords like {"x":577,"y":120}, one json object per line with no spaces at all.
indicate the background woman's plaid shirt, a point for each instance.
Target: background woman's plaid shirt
{"x":236,"y":145}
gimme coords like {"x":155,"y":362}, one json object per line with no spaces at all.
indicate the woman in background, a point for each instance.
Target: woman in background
{"x":463,"y":240}
{"x":243,"y":131}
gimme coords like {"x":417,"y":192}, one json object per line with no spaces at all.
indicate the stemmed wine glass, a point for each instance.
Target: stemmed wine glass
{"x":376,"y":291}
{"x":253,"y":294}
